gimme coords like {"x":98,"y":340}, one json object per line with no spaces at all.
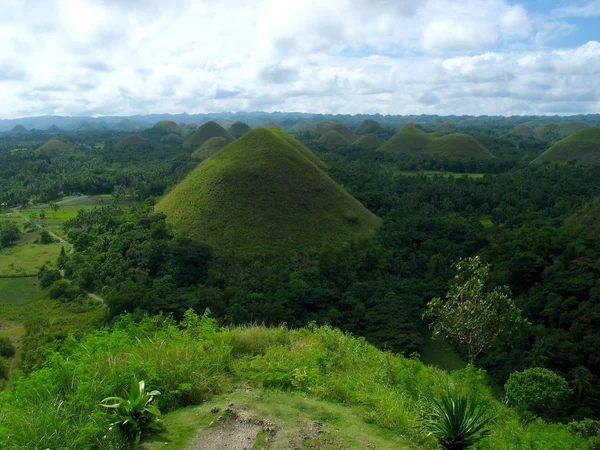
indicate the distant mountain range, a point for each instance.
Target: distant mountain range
{"x":285,"y":119}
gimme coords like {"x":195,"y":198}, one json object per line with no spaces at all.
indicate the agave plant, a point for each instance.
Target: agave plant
{"x":456,"y":422}
{"x":136,"y":414}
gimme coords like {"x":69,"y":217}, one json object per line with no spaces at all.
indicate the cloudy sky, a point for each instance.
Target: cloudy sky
{"x":124,"y":57}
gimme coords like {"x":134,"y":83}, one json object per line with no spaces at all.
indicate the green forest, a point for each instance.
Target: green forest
{"x":369,"y":270}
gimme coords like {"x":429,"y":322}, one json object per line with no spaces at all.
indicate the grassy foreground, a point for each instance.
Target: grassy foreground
{"x":318,"y":374}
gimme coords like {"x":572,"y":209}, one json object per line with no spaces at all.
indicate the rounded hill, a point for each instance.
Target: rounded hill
{"x":582,"y":147}
{"x":303,"y":126}
{"x":368,"y":142}
{"x":553,"y":132}
{"x":458,"y":145}
{"x":204,"y":133}
{"x":167,"y":127}
{"x":412,"y":140}
{"x":409,"y":140}
{"x":238,"y":129}
{"x":333,"y":141}
{"x":368,"y":126}
{"x":18,"y":129}
{"x":587,"y":219}
{"x":261,"y":196}
{"x":523,"y":131}
{"x":133,"y":142}
{"x":210,"y":147}
{"x":326,"y":126}
{"x":56,"y":144}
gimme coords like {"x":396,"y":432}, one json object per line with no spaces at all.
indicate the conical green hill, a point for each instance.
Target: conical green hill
{"x":522,"y":130}
{"x":582,"y":147}
{"x":554,"y":132}
{"x":167,"y":127}
{"x":333,"y":141}
{"x":204,"y":133}
{"x":298,"y":146}
{"x":458,"y":145}
{"x":261,"y":196}
{"x":326,"y":126}
{"x":368,"y":142}
{"x":55,"y":144}
{"x":303,"y":126}
{"x":133,"y":142}
{"x":18,"y":129}
{"x":238,"y":129}
{"x":586,"y":219}
{"x":271,"y":124}
{"x":446,"y":127}
{"x":409,"y":140}
{"x":210,"y":147}
{"x":368,"y":126}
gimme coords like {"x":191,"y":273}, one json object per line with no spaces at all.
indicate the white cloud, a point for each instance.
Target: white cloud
{"x":143,"y":56}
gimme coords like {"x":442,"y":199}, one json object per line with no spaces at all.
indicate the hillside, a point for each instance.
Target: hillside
{"x":172,"y":139}
{"x":446,"y":127}
{"x":213,"y":145}
{"x":262,"y":196}
{"x":587,"y":219}
{"x":204,"y":133}
{"x":553,"y":132}
{"x":326,"y":126}
{"x":411,"y":140}
{"x":18,"y":129}
{"x":333,"y":141}
{"x":303,"y":126}
{"x":368,"y":142}
{"x":250,"y":387}
{"x":133,"y":142}
{"x":299,"y":146}
{"x":582,"y":147}
{"x":56,"y":144}
{"x":238,"y":129}
{"x":271,"y":124}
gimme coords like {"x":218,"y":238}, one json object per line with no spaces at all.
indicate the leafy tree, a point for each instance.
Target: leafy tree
{"x":54,"y":207}
{"x":470,"y":315}
{"x":45,"y":237}
{"x":9,"y":234}
{"x":538,"y":390}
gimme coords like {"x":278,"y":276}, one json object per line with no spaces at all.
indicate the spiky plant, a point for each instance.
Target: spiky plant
{"x":456,"y":422}
{"x":136,"y":414}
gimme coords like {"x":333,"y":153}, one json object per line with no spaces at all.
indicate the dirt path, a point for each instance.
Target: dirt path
{"x":233,"y":435}
{"x":55,"y":236}
{"x":41,"y":227}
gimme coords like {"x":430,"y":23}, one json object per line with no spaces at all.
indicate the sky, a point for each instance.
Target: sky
{"x":127,"y":57}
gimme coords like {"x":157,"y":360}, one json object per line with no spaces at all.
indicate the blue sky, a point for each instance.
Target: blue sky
{"x":114,"y":57}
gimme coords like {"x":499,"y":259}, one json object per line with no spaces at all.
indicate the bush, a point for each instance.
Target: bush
{"x":537,"y":390}
{"x":4,"y":368}
{"x":45,"y":238}
{"x":47,"y":277}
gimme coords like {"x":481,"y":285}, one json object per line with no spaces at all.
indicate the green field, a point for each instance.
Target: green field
{"x":19,"y":290}
{"x":26,"y":259}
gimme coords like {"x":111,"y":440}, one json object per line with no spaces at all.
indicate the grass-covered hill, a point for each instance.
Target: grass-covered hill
{"x":271,"y":124}
{"x":582,"y":147}
{"x":165,"y":127}
{"x":553,"y":132}
{"x":262,"y":196}
{"x":274,"y":388}
{"x":213,"y":145}
{"x":446,"y":127}
{"x":238,"y":129}
{"x":412,"y":140}
{"x":303,"y":126}
{"x":326,"y":126}
{"x":523,"y":131}
{"x":56,"y":144}
{"x":204,"y":133}
{"x":18,"y":129}
{"x":368,"y":126}
{"x":368,"y":142}
{"x":333,"y":141}
{"x":133,"y":142}
{"x":172,"y":139}
{"x":458,"y":144}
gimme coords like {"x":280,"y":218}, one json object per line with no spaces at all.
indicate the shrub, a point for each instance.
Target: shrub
{"x":7,"y":349}
{"x":136,"y":414}
{"x":4,"y":368}
{"x":537,"y":390}
{"x":456,"y":421}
